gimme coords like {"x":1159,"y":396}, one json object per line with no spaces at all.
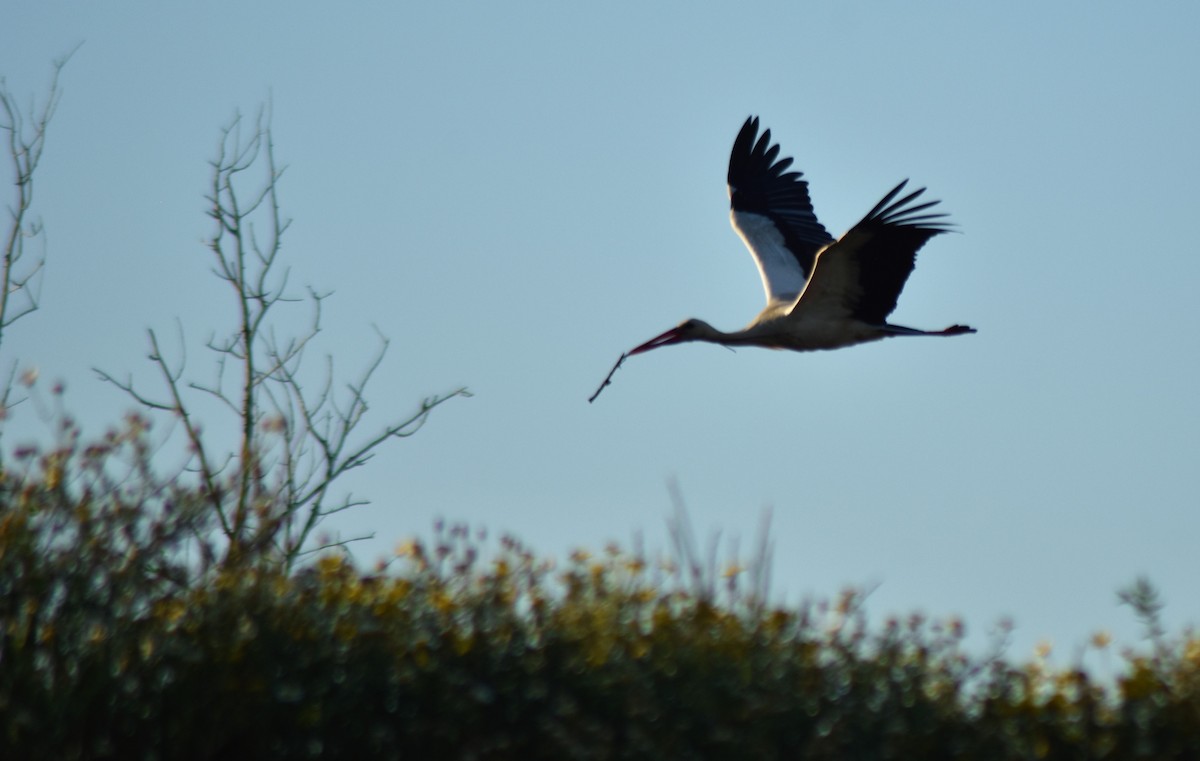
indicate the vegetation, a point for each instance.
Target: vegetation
{"x":119,"y":641}
{"x":191,"y":615}
{"x":20,"y":278}
{"x":269,"y":493}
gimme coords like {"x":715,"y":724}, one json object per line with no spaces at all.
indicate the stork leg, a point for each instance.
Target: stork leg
{"x":900,"y":330}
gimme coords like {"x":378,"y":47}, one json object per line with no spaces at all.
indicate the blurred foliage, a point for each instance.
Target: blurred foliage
{"x":123,"y":634}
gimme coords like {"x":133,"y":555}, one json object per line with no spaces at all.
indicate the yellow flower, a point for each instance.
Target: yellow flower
{"x":580,"y":556}
{"x":1192,"y":650}
{"x":442,"y":601}
{"x":172,"y":611}
{"x":329,"y":565}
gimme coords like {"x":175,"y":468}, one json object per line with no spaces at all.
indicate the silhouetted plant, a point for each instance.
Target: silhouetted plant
{"x":270,"y":492}
{"x":25,"y":138}
{"x":457,"y":650}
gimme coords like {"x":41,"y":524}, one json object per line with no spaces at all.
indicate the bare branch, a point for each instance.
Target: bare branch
{"x":272,"y":490}
{"x":177,"y":407}
{"x":25,"y":143}
{"x":20,"y":279}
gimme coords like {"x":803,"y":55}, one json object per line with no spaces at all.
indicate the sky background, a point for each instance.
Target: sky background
{"x":515,"y":193}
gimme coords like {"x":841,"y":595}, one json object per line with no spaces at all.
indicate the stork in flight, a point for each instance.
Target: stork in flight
{"x":821,"y":293}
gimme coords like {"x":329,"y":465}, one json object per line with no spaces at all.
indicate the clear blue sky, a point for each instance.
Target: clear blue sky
{"x":515,"y":193}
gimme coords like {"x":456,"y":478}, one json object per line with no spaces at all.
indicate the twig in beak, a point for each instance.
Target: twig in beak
{"x":607,"y":379}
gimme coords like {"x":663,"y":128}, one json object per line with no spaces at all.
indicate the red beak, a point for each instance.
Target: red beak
{"x":666,"y":339}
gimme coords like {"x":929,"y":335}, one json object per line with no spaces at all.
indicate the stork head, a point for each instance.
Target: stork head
{"x":688,"y":330}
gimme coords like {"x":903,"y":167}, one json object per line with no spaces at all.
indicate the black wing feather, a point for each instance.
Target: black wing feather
{"x":760,"y":185}
{"x":893,"y":234}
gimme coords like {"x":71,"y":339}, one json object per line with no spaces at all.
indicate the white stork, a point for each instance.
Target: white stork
{"x":821,"y":293}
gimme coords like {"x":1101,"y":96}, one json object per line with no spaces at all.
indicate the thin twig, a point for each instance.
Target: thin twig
{"x":607,"y":379}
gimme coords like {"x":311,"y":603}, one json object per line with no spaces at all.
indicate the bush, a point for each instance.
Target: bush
{"x":122,"y":640}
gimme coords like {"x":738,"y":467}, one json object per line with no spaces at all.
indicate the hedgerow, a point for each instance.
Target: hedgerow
{"x":125,"y":636}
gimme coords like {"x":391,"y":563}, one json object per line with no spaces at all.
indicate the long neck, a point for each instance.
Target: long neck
{"x":754,"y":334}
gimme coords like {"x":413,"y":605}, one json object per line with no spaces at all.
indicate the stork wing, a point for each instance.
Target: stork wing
{"x":861,"y":275}
{"x":772,"y":213}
